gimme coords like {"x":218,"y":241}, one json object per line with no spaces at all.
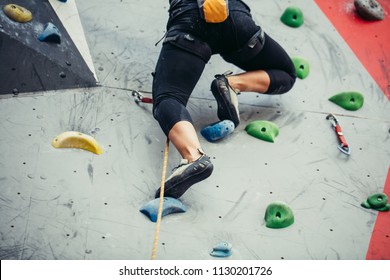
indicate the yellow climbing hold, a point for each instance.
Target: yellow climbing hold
{"x":74,"y":139}
{"x":17,"y":13}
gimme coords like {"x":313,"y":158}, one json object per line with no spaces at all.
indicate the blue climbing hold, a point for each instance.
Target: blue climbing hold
{"x":217,"y":131}
{"x":63,"y":1}
{"x":222,"y":250}
{"x":50,"y":34}
{"x":170,"y":206}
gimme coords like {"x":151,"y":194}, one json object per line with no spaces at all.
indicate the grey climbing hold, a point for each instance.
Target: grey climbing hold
{"x":278,"y":215}
{"x":217,"y":131}
{"x":170,"y":206}
{"x":50,"y":34}
{"x":369,"y":9}
{"x":222,"y":250}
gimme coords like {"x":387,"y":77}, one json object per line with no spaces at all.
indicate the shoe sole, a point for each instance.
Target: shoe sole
{"x":180,"y":187}
{"x":225,"y":107}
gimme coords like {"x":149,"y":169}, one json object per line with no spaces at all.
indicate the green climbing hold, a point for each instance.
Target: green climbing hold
{"x":278,"y":215}
{"x":17,"y":13}
{"x":264,"y":130}
{"x":302,"y":67}
{"x":350,"y":100}
{"x":292,"y":17}
{"x":377,"y":201}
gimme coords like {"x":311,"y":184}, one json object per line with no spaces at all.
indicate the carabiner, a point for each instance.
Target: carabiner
{"x":138,"y":97}
{"x":343,"y":147}
{"x":332,"y":119}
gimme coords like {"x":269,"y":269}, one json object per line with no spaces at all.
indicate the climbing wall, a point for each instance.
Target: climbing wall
{"x":39,"y":54}
{"x":74,"y":204}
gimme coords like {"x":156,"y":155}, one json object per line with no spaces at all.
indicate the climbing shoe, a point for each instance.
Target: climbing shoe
{"x":226,"y":98}
{"x":185,"y":175}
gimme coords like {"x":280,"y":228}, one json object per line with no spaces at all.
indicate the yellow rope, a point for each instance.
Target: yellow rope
{"x":159,"y":214}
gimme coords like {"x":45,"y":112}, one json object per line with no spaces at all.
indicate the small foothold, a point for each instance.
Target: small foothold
{"x":302,"y":67}
{"x":278,"y":215}
{"x":50,"y":34}
{"x":369,"y":9}
{"x":377,"y":201}
{"x":351,"y":100}
{"x":292,"y":17}
{"x":170,"y":206}
{"x":64,"y":1}
{"x":17,"y":13}
{"x":222,"y":250}
{"x":218,"y":130}
{"x":264,"y":130}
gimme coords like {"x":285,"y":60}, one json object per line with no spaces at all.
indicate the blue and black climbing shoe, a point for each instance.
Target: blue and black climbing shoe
{"x":226,"y":98}
{"x":185,"y":175}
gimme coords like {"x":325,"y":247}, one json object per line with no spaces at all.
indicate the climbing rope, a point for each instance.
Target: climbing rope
{"x":138,"y":97}
{"x":159,"y":213}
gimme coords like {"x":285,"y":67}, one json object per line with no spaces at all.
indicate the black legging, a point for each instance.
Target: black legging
{"x":179,"y":67}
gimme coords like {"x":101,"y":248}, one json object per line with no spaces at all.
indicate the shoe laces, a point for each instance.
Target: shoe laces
{"x":186,"y":162}
{"x":182,"y":163}
{"x":226,"y":74}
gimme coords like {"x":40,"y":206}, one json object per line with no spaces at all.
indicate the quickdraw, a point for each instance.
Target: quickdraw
{"x":138,"y":97}
{"x":343,"y":147}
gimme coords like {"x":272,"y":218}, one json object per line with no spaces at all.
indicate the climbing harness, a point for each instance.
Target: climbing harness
{"x":211,"y":11}
{"x":343,"y":147}
{"x":214,"y":11}
{"x":160,"y":208}
{"x":254,"y":45}
{"x":138,"y":97}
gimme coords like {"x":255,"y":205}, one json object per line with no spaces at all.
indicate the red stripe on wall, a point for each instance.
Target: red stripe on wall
{"x":369,"y":40}
{"x":379,"y":248}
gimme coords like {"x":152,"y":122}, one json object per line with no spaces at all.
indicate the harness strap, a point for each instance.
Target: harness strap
{"x":174,"y":12}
